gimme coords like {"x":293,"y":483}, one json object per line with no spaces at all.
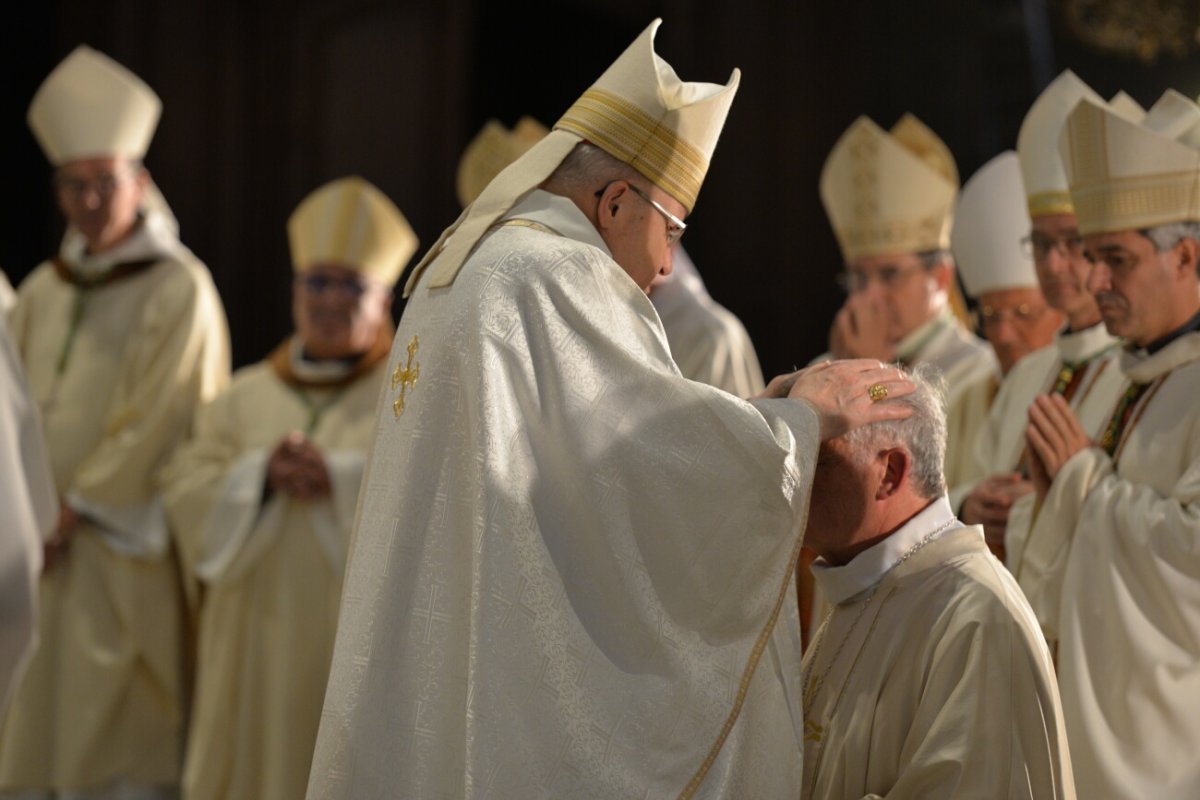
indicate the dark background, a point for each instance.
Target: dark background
{"x":265,"y":100}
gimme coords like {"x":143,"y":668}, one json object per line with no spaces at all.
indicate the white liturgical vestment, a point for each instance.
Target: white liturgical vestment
{"x":120,"y":349}
{"x":1129,"y":625}
{"x":1036,"y":552}
{"x":930,"y":679}
{"x":708,"y":342}
{"x":571,"y":572}
{"x":271,"y":567}
{"x":30,"y":510}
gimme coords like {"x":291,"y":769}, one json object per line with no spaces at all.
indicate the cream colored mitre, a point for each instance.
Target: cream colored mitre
{"x":90,"y":106}
{"x":1125,"y":106}
{"x":1042,"y":171}
{"x":350,"y":223}
{"x":493,"y":149}
{"x":1124,"y":176}
{"x":639,"y":112}
{"x":1176,"y":116}
{"x":989,"y":226}
{"x":889,"y":192}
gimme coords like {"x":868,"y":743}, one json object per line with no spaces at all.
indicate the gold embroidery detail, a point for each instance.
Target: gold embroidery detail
{"x":629,"y":134}
{"x":813,"y":732}
{"x":406,"y":377}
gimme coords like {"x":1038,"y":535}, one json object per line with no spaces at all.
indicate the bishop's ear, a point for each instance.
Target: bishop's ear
{"x":896,"y":466}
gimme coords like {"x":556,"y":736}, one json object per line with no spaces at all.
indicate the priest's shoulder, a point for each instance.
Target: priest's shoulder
{"x":527,"y":255}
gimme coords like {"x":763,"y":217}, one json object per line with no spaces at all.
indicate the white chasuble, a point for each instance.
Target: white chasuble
{"x":120,"y":351}
{"x":1129,"y":625}
{"x":271,"y":568}
{"x":1035,"y":546}
{"x":930,"y":678}
{"x":570,"y":575}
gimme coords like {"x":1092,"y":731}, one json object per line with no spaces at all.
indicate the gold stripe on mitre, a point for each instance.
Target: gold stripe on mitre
{"x":1054,"y":202}
{"x":634,"y":137}
{"x":1137,"y":202}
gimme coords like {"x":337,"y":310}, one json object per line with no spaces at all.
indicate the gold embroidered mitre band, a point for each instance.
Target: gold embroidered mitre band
{"x":889,"y":192}
{"x":639,"y":112}
{"x":493,"y":149}
{"x":1124,"y":176}
{"x":989,"y":225}
{"x":1042,"y":171}
{"x":350,"y":223}
{"x":90,"y":106}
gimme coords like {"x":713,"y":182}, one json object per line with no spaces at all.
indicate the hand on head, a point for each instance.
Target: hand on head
{"x":849,"y":394}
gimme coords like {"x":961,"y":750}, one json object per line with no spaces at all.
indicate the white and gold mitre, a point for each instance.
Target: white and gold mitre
{"x":493,"y":149}
{"x":989,"y":225}
{"x":889,"y":192}
{"x":91,"y":106}
{"x":1037,"y":144}
{"x":639,"y":112}
{"x":350,"y":223}
{"x":1124,"y":105}
{"x":1125,"y":176}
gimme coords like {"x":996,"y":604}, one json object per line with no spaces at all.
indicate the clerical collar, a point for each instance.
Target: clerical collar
{"x":871,"y":565}
{"x":1192,"y":324}
{"x":1081,"y":345}
{"x":909,"y":348}
{"x":312,"y":370}
{"x":560,"y":215}
{"x":153,"y":240}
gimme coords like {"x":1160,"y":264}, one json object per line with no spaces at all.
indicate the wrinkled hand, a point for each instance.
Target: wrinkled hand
{"x":1054,"y":435}
{"x":860,"y":329}
{"x":296,"y":468}
{"x":55,"y":548}
{"x":838,"y":392}
{"x":988,"y":505}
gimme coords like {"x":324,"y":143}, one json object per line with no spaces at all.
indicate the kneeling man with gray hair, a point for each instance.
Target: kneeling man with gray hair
{"x":929,"y":677}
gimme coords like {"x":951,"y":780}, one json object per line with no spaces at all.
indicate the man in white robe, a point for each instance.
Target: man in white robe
{"x":990,"y":227}
{"x":1080,"y":365}
{"x":1129,"y":616}
{"x":708,"y":343}
{"x":571,"y":566}
{"x":30,"y":506}
{"x":890,"y":199}
{"x":929,"y":679}
{"x":123,"y":336}
{"x":263,"y":497}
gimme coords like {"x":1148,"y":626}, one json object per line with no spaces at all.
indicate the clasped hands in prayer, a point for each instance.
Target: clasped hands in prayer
{"x":297,"y":468}
{"x":860,"y":329}
{"x":1054,"y":436}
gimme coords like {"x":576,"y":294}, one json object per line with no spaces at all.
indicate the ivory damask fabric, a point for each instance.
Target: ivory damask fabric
{"x":567,"y":556}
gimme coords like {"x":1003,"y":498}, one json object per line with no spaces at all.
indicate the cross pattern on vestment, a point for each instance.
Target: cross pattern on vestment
{"x":430,"y":615}
{"x":406,"y":377}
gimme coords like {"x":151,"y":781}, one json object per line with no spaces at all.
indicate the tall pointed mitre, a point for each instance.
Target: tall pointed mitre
{"x":91,"y":106}
{"x":1125,"y":176}
{"x":639,"y":112}
{"x":1176,"y":116}
{"x":889,"y":192}
{"x":350,"y":223}
{"x":1037,"y":144}
{"x":493,"y":149}
{"x":989,"y":225}
{"x":1125,"y":106}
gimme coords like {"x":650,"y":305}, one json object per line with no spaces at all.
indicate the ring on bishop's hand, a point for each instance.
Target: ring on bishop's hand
{"x":877,"y":392}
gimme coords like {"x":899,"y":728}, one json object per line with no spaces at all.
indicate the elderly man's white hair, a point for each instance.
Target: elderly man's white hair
{"x":922,"y":435}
